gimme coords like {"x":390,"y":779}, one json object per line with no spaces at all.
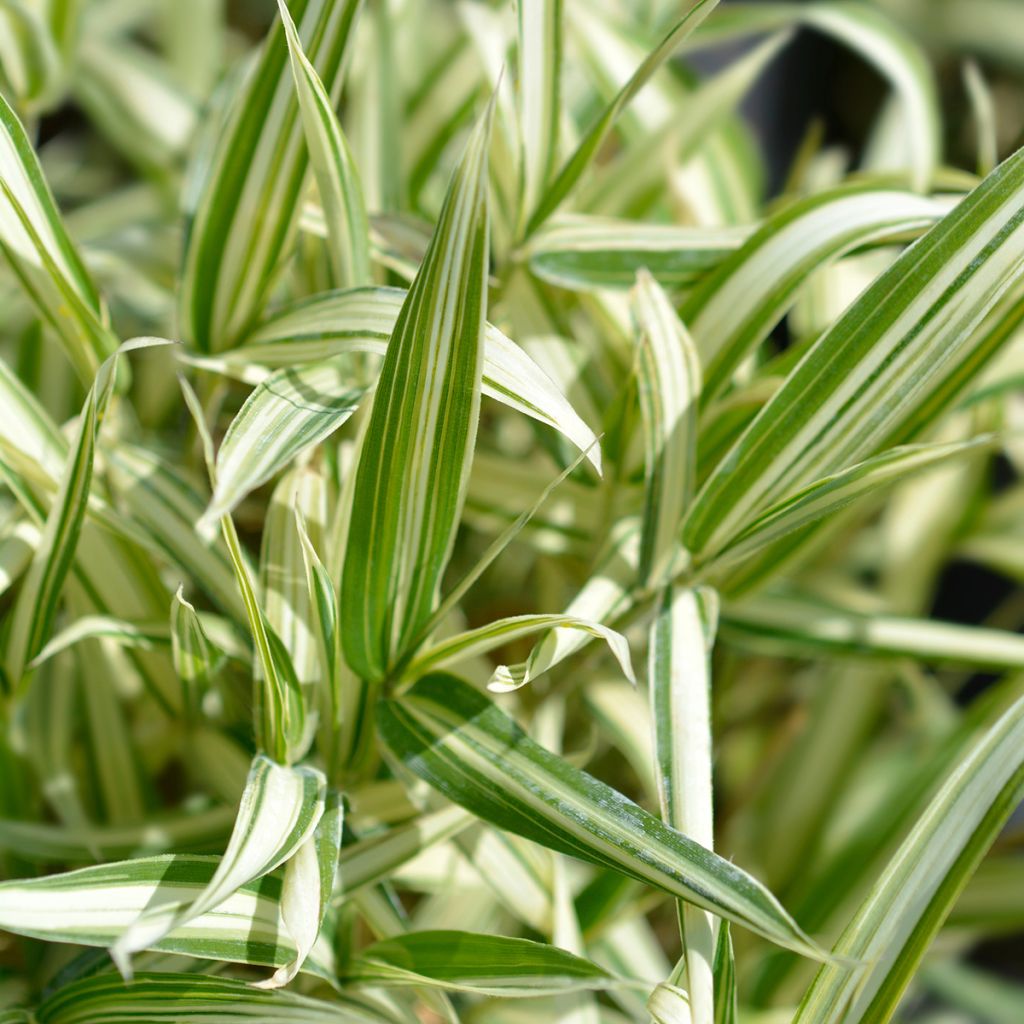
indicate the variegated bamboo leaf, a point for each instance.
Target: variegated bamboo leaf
{"x":470,"y":962}
{"x":249,"y":206}
{"x":337,"y":178}
{"x":907,"y":338}
{"x":37,"y":246}
{"x":280,"y":810}
{"x":415,"y":455}
{"x":668,"y":385}
{"x":462,"y":744}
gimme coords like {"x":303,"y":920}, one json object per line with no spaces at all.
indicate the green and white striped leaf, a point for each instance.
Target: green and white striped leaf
{"x":196,"y":660}
{"x":539,"y":32}
{"x":337,"y":324}
{"x":471,"y":962}
{"x":249,"y":206}
{"x":337,"y":178}
{"x":789,"y":623}
{"x":679,"y":682}
{"x":895,"y":924}
{"x":475,"y":642}
{"x":93,"y":906}
{"x":669,"y":1004}
{"x":93,"y":627}
{"x":415,"y":455}
{"x":279,"y":811}
{"x":726,"y":1011}
{"x":827,"y":496}
{"x":307,"y":886}
{"x":41,"y":589}
{"x":37,"y":246}
{"x":582,"y":252}
{"x":463,"y":745}
{"x":284,"y":590}
{"x":29,"y":61}
{"x":570,"y":172}
{"x":342,"y":699}
{"x":668,"y":385}
{"x":910,"y":336}
{"x":289,"y":412}
{"x":199,"y":999}
{"x":734,"y":309}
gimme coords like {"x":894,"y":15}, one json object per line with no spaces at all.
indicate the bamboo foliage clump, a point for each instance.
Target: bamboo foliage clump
{"x":466,"y":539}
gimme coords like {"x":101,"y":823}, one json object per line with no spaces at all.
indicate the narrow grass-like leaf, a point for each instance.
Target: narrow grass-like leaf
{"x":791,"y":623}
{"x":900,"y":343}
{"x":279,"y":811}
{"x":573,"y":168}
{"x":470,"y":962}
{"x":199,"y":999}
{"x":983,"y":108}
{"x":827,"y":496}
{"x":279,"y":710}
{"x":540,"y":29}
{"x":249,"y":206}
{"x":196,"y":660}
{"x":733,"y":310}
{"x":668,"y":384}
{"x":680,"y":689}
{"x":414,"y":460}
{"x":336,"y":175}
{"x":40,"y":592}
{"x":583,"y":253}
{"x":94,"y":627}
{"x":726,"y":1011}
{"x":495,"y":634}
{"x":896,"y":922}
{"x":36,"y":243}
{"x":284,"y":592}
{"x":343,"y":699}
{"x":461,"y":743}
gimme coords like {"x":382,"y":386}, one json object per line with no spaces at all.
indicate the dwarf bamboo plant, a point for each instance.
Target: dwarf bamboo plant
{"x":469,"y":551}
